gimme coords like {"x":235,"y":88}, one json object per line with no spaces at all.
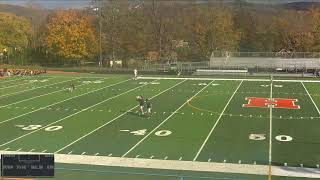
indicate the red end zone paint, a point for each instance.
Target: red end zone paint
{"x":275,"y":103}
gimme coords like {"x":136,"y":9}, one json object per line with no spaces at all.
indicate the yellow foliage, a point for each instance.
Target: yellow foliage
{"x":70,"y":35}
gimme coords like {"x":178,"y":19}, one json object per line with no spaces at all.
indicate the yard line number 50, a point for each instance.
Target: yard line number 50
{"x":35,"y":127}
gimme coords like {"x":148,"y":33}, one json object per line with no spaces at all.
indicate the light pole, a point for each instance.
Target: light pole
{"x":100,"y":32}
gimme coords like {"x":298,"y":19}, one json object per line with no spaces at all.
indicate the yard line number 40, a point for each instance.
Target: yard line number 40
{"x":261,"y":137}
{"x":142,"y":132}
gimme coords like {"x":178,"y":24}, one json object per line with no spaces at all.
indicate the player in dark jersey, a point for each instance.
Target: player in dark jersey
{"x":149,"y":106}
{"x":72,"y":87}
{"x":141,"y":104}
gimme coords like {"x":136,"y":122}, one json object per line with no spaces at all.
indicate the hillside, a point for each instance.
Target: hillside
{"x":35,"y":15}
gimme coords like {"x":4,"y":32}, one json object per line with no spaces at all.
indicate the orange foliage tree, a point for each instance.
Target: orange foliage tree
{"x":70,"y":35}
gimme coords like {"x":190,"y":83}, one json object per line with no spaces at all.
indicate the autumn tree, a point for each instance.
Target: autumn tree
{"x":70,"y":35}
{"x":14,"y":31}
{"x":214,"y":30}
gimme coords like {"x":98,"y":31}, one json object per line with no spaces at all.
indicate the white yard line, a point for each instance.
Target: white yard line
{"x":270,"y":135}
{"x":63,"y":101}
{"x":151,"y":132}
{"x":19,"y":85}
{"x":180,"y":165}
{"x":72,"y":115}
{"x":11,"y":80}
{"x":311,"y":98}
{"x":31,"y":89}
{"x":82,"y":137}
{"x":41,"y":94}
{"x":227,"y":79}
{"x":215,"y":125}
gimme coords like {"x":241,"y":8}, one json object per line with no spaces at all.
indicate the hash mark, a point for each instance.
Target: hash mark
{"x":151,"y":157}
{"x":180,"y":158}
{"x":209,"y":160}
{"x":110,"y":154}
{"x":83,"y":153}
{"x":19,"y":149}
{"x":6,"y":149}
{"x":70,"y":152}
{"x":137,"y":155}
{"x":165,"y":158}
{"x":31,"y":150}
{"x":44,"y":151}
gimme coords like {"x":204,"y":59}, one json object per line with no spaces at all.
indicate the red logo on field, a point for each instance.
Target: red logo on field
{"x":274,"y":103}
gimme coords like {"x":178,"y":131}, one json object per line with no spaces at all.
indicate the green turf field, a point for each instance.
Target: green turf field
{"x":242,"y":125}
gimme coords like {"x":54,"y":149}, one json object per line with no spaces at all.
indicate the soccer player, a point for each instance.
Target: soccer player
{"x":149,"y":106}
{"x":72,"y":87}
{"x":135,"y":72}
{"x":141,"y":104}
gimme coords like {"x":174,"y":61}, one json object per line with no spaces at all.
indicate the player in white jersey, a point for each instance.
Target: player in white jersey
{"x":135,"y":72}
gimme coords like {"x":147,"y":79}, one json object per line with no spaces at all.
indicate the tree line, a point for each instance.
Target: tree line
{"x":169,"y":30}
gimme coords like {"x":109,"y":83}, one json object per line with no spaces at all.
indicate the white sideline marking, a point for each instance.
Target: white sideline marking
{"x":310,"y":98}
{"x":36,"y":96}
{"x":48,"y":106}
{"x":70,"y":115}
{"x":115,"y":118}
{"x":181,"y":165}
{"x":151,"y":132}
{"x":215,"y":125}
{"x":208,"y":79}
